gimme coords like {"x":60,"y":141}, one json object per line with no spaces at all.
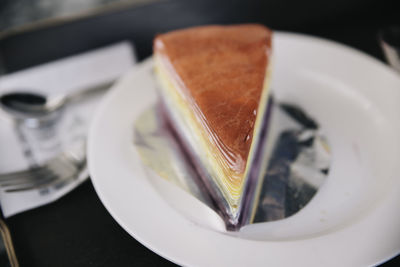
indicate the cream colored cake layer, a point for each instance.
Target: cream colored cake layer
{"x":201,"y":142}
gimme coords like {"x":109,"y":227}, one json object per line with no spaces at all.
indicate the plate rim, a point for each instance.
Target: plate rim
{"x":119,"y":87}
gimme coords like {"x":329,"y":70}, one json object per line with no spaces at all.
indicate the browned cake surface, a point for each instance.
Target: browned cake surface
{"x":221,"y":70}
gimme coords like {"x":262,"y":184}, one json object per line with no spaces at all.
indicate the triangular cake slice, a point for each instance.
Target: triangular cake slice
{"x":214,"y":84}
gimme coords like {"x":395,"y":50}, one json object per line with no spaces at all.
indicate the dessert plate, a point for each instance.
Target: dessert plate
{"x":353,"y":220}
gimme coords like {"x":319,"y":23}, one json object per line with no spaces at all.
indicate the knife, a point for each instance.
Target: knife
{"x":7,"y":253}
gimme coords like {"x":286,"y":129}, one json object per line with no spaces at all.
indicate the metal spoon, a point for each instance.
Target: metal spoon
{"x":389,"y":39}
{"x":25,"y":105}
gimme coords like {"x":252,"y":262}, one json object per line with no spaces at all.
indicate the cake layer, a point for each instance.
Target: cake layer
{"x":221,"y":71}
{"x":214,"y":82}
{"x":210,"y":156}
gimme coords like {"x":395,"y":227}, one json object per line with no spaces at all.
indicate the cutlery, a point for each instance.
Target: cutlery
{"x":55,"y":172}
{"x":26,"y":104}
{"x":8,"y":257}
{"x":389,"y":39}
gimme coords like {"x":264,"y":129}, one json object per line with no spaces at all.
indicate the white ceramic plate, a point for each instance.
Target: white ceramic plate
{"x":354,"y":219}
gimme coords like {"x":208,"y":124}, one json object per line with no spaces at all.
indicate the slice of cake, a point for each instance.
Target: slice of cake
{"x":214,"y":84}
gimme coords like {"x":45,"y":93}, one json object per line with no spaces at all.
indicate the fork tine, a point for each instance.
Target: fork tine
{"x":54,"y":180}
{"x":22,"y":174}
{"x":56,"y":171}
{"x":31,"y":185}
{"x":29,"y":179}
{"x":54,"y":164}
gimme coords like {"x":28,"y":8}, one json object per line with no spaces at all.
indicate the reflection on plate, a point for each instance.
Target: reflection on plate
{"x":353,"y":219}
{"x":298,"y":166}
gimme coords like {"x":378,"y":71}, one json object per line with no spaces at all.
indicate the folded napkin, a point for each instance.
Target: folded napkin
{"x":22,"y":148}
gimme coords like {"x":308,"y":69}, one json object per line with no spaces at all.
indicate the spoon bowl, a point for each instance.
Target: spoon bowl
{"x":35,"y":108}
{"x":27,"y":104}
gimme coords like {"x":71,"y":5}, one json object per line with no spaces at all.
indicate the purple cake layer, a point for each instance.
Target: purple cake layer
{"x":207,"y":184}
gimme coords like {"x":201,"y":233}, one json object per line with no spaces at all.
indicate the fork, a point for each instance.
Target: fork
{"x":58,"y":170}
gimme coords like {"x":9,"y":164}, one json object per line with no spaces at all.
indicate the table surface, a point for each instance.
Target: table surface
{"x":17,"y":13}
{"x":77,"y":230}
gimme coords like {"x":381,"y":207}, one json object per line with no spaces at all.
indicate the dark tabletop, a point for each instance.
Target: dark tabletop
{"x":77,"y":230}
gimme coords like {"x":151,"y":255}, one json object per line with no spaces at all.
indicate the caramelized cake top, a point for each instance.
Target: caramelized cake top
{"x":220,"y":71}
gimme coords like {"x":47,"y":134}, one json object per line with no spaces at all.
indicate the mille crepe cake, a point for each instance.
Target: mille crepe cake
{"x":214,"y":85}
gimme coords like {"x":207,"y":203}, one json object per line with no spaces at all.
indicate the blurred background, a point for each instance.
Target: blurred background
{"x":37,"y":31}
{"x":33,"y":32}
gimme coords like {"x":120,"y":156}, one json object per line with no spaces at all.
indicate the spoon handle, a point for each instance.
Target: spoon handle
{"x":87,"y":92}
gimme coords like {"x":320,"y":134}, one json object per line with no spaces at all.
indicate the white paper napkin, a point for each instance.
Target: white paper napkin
{"x":65,"y":75}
